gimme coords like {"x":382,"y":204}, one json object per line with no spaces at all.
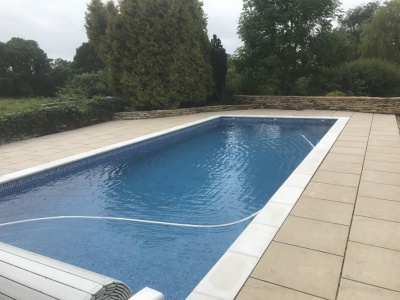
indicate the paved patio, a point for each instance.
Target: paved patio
{"x":341,"y":240}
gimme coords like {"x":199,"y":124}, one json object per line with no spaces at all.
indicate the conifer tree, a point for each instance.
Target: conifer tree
{"x":219,"y":63}
{"x":156,"y":51}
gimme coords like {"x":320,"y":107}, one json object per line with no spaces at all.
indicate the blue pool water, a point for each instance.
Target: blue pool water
{"x":213,"y":173}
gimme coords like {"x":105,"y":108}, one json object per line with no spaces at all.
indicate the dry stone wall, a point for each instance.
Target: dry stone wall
{"x":356,"y":104}
{"x":136,"y":115}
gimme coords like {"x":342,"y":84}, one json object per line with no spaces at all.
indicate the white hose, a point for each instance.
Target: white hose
{"x":132,"y":220}
{"x":308,"y":141}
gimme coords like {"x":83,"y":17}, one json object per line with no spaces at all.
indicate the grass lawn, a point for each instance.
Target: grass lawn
{"x":10,"y":105}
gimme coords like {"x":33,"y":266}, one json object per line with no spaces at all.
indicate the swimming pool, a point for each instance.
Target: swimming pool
{"x":120,"y":235}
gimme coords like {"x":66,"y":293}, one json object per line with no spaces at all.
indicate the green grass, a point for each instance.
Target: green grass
{"x":10,"y":105}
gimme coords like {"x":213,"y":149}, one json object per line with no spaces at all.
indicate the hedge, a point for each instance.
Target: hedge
{"x":47,"y":120}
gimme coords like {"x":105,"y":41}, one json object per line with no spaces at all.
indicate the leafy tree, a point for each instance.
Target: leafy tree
{"x":219,"y":64}
{"x":86,"y":60}
{"x":5,"y":81}
{"x":24,"y":68}
{"x":156,"y":51}
{"x":61,"y":72}
{"x":354,"y":19}
{"x":234,"y":79}
{"x":278,"y":38}
{"x":330,"y":49}
{"x":380,"y":38}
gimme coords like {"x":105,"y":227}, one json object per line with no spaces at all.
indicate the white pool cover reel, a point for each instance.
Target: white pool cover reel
{"x":26,"y":275}
{"x":148,"y":294}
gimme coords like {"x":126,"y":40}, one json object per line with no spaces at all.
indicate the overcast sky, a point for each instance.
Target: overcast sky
{"x":58,"y":25}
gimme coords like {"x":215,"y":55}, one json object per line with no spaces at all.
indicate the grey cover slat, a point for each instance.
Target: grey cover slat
{"x":4,"y":297}
{"x":39,"y":283}
{"x":17,"y":291}
{"x":69,"y":279}
{"x":58,"y":279}
{"x":57,"y":264}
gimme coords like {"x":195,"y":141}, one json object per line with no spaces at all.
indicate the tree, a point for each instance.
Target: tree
{"x":25,"y":68}
{"x":219,"y":64}
{"x":278,"y":36}
{"x":380,"y":38}
{"x":86,"y":60}
{"x":234,"y":82}
{"x":61,"y":72}
{"x":354,"y":19}
{"x":330,"y":49}
{"x":156,"y":51}
{"x":5,"y":82}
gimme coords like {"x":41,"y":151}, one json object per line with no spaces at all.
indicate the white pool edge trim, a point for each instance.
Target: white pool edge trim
{"x":229,"y":274}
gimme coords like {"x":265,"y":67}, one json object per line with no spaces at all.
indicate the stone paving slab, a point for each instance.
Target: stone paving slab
{"x":343,"y":179}
{"x":379,"y":191}
{"x":325,"y":191}
{"x":372,"y":265}
{"x":312,"y":272}
{"x":382,"y":166}
{"x":316,"y":235}
{"x":324,"y":210}
{"x":351,"y":290}
{"x":255,"y":289}
{"x":381,"y":233}
{"x":378,"y":209}
{"x":346,"y":158}
{"x":340,"y":167}
{"x":390,"y":178}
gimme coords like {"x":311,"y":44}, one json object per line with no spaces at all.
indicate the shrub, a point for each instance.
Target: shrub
{"x":371,"y":77}
{"x":85,"y":86}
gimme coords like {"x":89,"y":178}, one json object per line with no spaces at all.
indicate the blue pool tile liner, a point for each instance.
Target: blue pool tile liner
{"x":142,"y":146}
